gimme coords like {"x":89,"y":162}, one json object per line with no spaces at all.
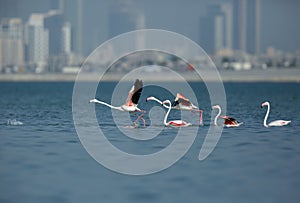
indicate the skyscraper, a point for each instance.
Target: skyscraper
{"x":246,"y":15}
{"x":216,"y":28}
{"x":54,"y":22}
{"x":124,"y":17}
{"x":37,"y":41}
{"x":257,"y":25}
{"x":11,"y":43}
{"x":227,"y":10}
{"x":66,"y":38}
{"x":79,"y":35}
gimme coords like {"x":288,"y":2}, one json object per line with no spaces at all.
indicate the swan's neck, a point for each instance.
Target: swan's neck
{"x":219,"y":113}
{"x":108,"y":105}
{"x":167,"y":114}
{"x":266,"y":116}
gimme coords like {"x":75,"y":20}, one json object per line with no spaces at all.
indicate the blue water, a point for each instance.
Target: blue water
{"x":42,"y":160}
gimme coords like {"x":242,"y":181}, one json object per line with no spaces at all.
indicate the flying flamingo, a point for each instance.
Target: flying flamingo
{"x":180,"y":103}
{"x":228,"y":121}
{"x":273,"y":123}
{"x":174,"y":123}
{"x":131,"y":102}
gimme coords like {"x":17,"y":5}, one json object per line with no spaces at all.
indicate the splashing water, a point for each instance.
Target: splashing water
{"x":14,"y":122}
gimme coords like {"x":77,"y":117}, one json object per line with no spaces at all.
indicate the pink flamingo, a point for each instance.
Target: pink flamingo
{"x":181,"y":103}
{"x":228,"y":121}
{"x":273,"y":123}
{"x":131,"y":102}
{"x":174,"y":123}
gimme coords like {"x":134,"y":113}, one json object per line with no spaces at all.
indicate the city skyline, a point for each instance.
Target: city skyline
{"x":277,"y":17}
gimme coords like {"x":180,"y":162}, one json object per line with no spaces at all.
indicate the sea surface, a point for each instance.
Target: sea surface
{"x":43,"y":160}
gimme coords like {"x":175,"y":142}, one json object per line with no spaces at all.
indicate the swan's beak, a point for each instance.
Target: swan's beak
{"x":261,"y":106}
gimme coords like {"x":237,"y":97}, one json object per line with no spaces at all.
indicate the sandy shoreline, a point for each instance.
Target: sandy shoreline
{"x":270,"y":75}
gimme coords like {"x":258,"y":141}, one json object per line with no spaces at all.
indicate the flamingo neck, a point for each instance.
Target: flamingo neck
{"x":157,"y":100}
{"x":219,"y":113}
{"x":266,"y":116}
{"x":108,"y":105}
{"x":160,"y":102}
{"x":167,"y":114}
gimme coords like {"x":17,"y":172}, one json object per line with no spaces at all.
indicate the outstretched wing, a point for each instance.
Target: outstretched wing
{"x":180,"y":99}
{"x":180,"y":96}
{"x":135,"y":93}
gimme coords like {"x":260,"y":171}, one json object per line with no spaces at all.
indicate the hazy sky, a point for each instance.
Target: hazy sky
{"x":280,"y":18}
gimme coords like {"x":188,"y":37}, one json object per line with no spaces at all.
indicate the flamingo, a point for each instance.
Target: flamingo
{"x":174,"y":123}
{"x":131,"y":102}
{"x":228,"y":121}
{"x":180,"y":103}
{"x":273,"y":123}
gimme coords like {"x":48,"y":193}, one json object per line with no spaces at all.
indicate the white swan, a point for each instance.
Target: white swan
{"x":273,"y":123}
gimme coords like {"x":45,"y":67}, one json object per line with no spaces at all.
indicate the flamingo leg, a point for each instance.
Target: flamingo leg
{"x":200,"y":115}
{"x":140,"y":117}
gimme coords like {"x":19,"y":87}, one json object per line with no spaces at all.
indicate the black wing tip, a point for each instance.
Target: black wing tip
{"x":174,"y":103}
{"x":138,"y":87}
{"x":137,"y":81}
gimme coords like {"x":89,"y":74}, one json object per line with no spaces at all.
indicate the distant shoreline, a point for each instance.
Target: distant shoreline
{"x":269,"y":75}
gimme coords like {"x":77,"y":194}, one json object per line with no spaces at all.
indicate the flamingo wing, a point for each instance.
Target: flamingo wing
{"x":179,"y":123}
{"x":229,"y":120}
{"x":134,"y":93}
{"x":181,"y":100}
{"x":279,"y":123}
{"x":180,"y":96}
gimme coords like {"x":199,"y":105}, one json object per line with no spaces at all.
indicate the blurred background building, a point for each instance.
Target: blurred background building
{"x":36,"y":43}
{"x":11,"y":44}
{"x":56,"y":35}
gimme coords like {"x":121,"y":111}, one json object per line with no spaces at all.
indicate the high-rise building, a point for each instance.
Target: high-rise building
{"x":79,"y":30}
{"x":73,"y":13}
{"x":216,"y":28}
{"x":57,"y":5}
{"x":37,"y":41}
{"x":54,"y":22}
{"x":257,"y":25}
{"x":11,"y":43}
{"x":66,"y":38}
{"x":124,"y":17}
{"x":246,"y":15}
{"x":227,"y":10}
